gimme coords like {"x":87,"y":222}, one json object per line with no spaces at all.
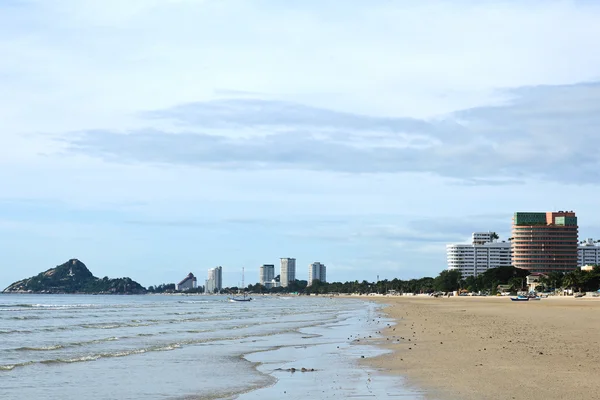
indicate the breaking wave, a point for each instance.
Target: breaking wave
{"x":92,"y":357}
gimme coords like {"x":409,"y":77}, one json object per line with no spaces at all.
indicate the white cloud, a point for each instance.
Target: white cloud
{"x":530,"y":137}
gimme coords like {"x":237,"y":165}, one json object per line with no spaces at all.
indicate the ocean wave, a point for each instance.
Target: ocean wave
{"x":66,"y":305}
{"x":124,"y":353}
{"x":155,"y":348}
{"x":192,"y":301}
{"x":10,"y":367}
{"x":94,"y":357}
{"x":96,"y":341}
{"x":43,"y":348}
{"x":71,"y":360}
{"x":26,"y":317}
{"x":168,"y":348}
{"x":64,"y":345}
{"x":113,"y":325}
{"x":186,"y":313}
{"x":57,"y":306}
{"x":12,"y":331}
{"x":102,"y":326}
{"x":56,"y":328}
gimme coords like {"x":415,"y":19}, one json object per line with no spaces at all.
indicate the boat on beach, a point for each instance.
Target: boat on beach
{"x":520,"y":298}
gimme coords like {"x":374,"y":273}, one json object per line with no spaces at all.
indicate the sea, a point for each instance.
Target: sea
{"x":190,"y":347}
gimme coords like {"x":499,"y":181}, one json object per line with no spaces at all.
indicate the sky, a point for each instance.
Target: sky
{"x":153,"y":138}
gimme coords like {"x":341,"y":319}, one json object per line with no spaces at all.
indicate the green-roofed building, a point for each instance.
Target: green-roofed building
{"x":545,"y":241}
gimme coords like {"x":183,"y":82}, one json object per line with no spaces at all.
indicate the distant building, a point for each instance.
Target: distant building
{"x":209,"y":286}
{"x":288,"y":271}
{"x":533,"y":280}
{"x":504,"y":289}
{"x":588,"y":253}
{"x":266,"y":273}
{"x":317,"y":271}
{"x":215,"y":280}
{"x":189,"y":282}
{"x":545,"y":241}
{"x":483,"y":253}
{"x":271,"y":284}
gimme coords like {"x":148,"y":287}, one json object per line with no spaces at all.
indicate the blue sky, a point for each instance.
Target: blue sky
{"x":153,"y":138}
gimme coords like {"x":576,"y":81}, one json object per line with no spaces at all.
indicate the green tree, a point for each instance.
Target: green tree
{"x":574,"y":279}
{"x":516,"y":283}
{"x":447,"y":281}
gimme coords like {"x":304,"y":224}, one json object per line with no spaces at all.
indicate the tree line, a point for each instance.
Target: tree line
{"x":446,"y":281}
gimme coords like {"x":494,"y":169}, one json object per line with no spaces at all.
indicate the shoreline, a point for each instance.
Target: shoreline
{"x":474,"y":348}
{"x":332,"y":359}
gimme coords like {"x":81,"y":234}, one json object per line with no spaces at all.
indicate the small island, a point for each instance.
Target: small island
{"x":73,"y":277}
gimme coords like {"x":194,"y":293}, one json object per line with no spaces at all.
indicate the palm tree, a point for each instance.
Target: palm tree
{"x":545,"y":281}
{"x":516,"y":283}
{"x":573,"y":279}
{"x":556,"y":279}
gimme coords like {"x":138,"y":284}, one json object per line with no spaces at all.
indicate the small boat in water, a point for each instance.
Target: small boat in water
{"x":236,"y":299}
{"x":244,"y":296}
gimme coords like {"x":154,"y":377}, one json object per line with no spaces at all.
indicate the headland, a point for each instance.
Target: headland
{"x":73,"y":277}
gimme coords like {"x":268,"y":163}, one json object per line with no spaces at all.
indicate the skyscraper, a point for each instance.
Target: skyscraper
{"x":317,"y":271}
{"x":266,"y":274}
{"x":215,"y":279}
{"x":545,"y":241}
{"x":287,"y":271}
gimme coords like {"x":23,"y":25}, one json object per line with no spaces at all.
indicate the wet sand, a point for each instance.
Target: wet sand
{"x":492,"y":348}
{"x":330,"y":355}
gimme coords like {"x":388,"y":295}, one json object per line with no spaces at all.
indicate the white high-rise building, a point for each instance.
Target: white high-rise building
{"x":588,"y":253}
{"x":209,"y":286}
{"x":287,"y":272}
{"x":266,"y":273}
{"x":216,"y":276}
{"x":483,"y":253}
{"x":317,"y":271}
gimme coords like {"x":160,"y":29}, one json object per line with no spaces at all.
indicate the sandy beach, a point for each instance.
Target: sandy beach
{"x":492,"y":348}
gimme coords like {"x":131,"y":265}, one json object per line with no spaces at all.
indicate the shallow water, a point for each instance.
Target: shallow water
{"x":169,"y":347}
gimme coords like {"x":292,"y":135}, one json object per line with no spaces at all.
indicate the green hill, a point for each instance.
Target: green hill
{"x":74,"y":277}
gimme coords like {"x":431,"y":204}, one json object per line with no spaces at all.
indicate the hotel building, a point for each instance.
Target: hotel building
{"x":588,"y":253}
{"x":483,"y":253}
{"x":266,"y":273}
{"x":545,"y":241}
{"x":287,"y":272}
{"x":189,"y":282}
{"x":317,"y":271}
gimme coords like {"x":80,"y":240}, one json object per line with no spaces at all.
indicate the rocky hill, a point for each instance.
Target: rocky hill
{"x":74,"y":277}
